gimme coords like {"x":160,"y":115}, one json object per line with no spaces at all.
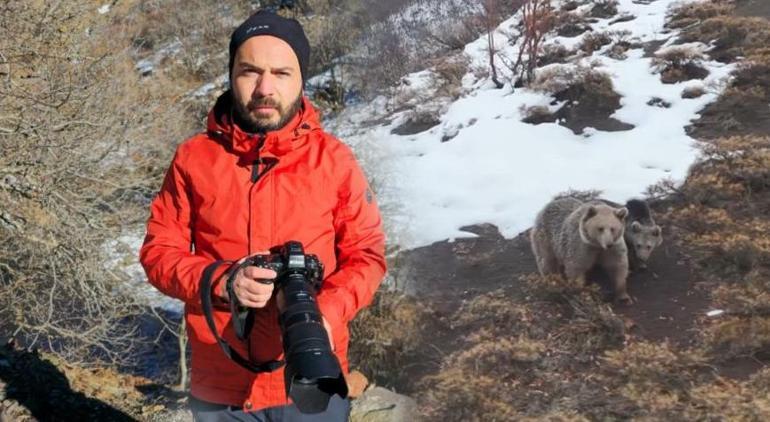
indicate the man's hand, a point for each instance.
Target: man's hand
{"x":253,"y":286}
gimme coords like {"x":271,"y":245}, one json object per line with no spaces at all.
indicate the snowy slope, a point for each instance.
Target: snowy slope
{"x":500,"y":170}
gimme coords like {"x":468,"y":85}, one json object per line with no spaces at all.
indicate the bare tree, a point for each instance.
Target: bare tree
{"x":537,"y":20}
{"x":491,"y":9}
{"x":80,"y":156}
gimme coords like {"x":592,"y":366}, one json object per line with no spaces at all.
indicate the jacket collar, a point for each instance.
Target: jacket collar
{"x":274,"y":143}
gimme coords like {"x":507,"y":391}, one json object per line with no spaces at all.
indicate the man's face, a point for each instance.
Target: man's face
{"x":267,"y":83}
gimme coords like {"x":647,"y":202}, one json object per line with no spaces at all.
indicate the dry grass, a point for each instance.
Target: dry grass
{"x":723,"y":226}
{"x":693,"y":13}
{"x":679,"y":63}
{"x":558,"y":78}
{"x":385,"y":337}
{"x":449,"y":73}
{"x":554,"y":53}
{"x":518,"y":345}
{"x":604,"y":9}
{"x":741,"y":108}
{"x":713,"y":22}
{"x":593,"y":41}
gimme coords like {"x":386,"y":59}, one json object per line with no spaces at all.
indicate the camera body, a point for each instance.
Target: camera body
{"x":312,"y":373}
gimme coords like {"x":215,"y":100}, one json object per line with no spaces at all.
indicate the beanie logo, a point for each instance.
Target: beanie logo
{"x":257,"y":28}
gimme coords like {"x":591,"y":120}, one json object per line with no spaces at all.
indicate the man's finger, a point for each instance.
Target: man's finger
{"x":257,"y":273}
{"x":255,"y":253}
{"x":255,"y":287}
{"x":255,"y":298}
{"x":253,"y":303}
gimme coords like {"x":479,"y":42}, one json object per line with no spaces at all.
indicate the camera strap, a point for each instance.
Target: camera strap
{"x":208,"y":309}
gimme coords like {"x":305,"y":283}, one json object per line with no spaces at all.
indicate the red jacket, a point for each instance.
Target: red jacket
{"x":210,"y":209}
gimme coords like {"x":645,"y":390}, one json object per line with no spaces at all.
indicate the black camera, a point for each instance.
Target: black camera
{"x":312,"y":373}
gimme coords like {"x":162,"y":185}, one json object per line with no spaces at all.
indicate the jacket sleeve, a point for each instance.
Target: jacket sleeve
{"x":360,"y":249}
{"x":167,"y":253}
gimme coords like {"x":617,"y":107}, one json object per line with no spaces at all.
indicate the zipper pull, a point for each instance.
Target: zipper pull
{"x":255,"y":170}
{"x":255,"y":166}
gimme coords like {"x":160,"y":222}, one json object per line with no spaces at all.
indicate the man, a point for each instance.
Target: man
{"x":264,"y":173}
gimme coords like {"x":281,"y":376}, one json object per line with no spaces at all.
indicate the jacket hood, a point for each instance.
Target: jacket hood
{"x":220,"y":126}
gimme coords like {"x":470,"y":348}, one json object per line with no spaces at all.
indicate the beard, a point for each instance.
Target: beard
{"x":249,"y":120}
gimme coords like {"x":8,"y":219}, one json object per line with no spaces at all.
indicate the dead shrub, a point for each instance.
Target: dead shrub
{"x":618,"y":49}
{"x":693,"y":13}
{"x":553,"y":53}
{"x":693,"y":92}
{"x":604,"y":9}
{"x":536,"y":115}
{"x":731,"y":400}
{"x":588,"y":95}
{"x":732,"y":337}
{"x":570,"y":25}
{"x":731,"y":36}
{"x":594,"y":41}
{"x":730,"y":169}
{"x":680,"y":63}
{"x":460,"y":391}
{"x":449,"y":73}
{"x":583,"y":195}
{"x":385,"y":336}
{"x":201,"y":29}
{"x":558,"y":78}
{"x":537,"y":19}
{"x":83,"y":145}
{"x":742,"y":159}
{"x":747,"y":296}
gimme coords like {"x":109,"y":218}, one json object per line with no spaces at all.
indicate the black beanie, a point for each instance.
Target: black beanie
{"x":268,"y":23}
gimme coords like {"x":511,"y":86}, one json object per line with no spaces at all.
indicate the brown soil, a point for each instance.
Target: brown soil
{"x":580,"y":112}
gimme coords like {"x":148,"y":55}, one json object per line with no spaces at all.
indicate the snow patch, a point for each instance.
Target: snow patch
{"x":501,"y":170}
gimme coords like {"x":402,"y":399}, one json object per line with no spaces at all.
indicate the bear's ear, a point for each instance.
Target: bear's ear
{"x":590,"y":213}
{"x":636,"y":227}
{"x":621,"y":213}
{"x":656,"y":231}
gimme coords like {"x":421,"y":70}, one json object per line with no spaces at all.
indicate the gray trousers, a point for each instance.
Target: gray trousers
{"x":338,"y":411}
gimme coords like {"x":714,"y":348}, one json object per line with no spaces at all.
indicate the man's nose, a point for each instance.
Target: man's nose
{"x":265,"y":85}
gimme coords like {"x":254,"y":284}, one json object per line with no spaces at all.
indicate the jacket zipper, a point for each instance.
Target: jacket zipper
{"x":254,"y":178}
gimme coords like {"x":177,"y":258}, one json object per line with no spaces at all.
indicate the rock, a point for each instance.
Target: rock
{"x":379,"y":404}
{"x":178,"y":415}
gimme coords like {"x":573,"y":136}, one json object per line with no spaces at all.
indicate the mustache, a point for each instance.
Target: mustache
{"x":263,"y":102}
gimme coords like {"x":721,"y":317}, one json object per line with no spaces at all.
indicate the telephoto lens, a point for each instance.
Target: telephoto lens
{"x":312,"y":373}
